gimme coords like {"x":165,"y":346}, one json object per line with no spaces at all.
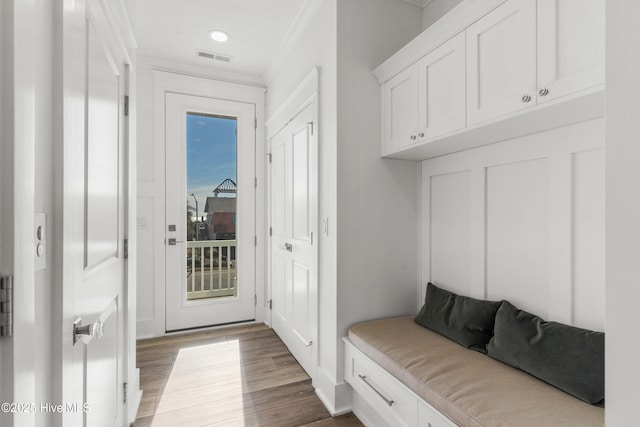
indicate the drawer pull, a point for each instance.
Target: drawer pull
{"x":364,"y":378}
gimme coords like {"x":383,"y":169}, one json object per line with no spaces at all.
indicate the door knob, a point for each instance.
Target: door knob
{"x":526,"y":98}
{"x":89,"y":331}
{"x":544,"y":91}
{"x":288,"y":247}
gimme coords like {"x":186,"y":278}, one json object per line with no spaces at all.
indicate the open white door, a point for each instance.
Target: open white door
{"x":293,"y":243}
{"x":93,"y":199}
{"x":210,"y":211}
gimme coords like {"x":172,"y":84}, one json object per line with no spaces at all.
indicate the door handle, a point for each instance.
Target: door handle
{"x":87,"y":332}
{"x":95,"y":330}
{"x":288,"y":247}
{"x":172,"y":241}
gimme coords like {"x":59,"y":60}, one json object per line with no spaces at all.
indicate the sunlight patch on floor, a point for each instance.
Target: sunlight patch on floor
{"x":208,"y":377}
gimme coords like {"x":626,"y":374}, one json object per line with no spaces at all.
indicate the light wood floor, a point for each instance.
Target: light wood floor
{"x":240,"y":376}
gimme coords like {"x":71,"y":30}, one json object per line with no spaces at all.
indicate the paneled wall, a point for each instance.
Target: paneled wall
{"x":521,"y":220}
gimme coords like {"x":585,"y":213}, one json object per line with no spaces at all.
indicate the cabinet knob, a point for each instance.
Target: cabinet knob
{"x":526,"y":98}
{"x":413,"y":137}
{"x":421,"y":134}
{"x":544,"y":91}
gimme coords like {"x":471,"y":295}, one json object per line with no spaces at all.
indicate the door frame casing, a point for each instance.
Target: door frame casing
{"x":303,"y":96}
{"x":168,"y":82}
{"x":180,"y":313}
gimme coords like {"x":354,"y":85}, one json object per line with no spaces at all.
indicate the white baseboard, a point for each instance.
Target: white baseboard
{"x":145,"y":328}
{"x":134,"y":396}
{"x":336,"y":397}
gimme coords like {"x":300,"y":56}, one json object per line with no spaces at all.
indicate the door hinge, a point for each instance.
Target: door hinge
{"x":270,"y":231}
{"x":255,"y":123}
{"x":125,"y":387}
{"x":255,"y":240}
{"x":6,"y":306}
{"x":269,"y":157}
{"x":255,"y":182}
{"x":126,"y":248}
{"x":255,"y":300}
{"x":126,"y":105}
{"x":270,"y":304}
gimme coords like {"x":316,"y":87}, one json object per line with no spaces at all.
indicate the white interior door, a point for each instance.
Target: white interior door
{"x":293,"y":237}
{"x":94,"y":196}
{"x":210,"y":211}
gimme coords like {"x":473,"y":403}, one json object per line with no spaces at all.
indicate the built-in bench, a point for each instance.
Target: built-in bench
{"x":404,"y":374}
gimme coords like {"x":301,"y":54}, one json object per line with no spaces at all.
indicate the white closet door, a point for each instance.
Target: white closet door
{"x":293,"y":244}
{"x":501,"y":61}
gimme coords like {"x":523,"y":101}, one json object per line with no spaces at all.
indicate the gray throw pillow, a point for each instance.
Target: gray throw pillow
{"x":465,"y":320}
{"x":569,"y":358}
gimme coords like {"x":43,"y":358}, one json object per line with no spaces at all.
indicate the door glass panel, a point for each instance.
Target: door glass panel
{"x":211,"y":206}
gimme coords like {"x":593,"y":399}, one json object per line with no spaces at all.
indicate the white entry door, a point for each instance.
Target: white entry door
{"x":293,"y":241}
{"x":210,"y":211}
{"x":93,"y":200}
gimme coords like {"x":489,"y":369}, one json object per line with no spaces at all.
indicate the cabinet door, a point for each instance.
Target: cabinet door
{"x":400,"y":110}
{"x":501,"y":61}
{"x":442,"y":94}
{"x":571,"y":42}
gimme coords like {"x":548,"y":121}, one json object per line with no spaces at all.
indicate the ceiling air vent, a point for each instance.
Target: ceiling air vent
{"x":213,"y":56}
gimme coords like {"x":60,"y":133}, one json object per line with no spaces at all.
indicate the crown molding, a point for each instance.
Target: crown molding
{"x":297,"y":27}
{"x":419,"y":3}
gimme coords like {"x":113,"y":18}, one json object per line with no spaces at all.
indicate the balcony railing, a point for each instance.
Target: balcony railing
{"x":211,"y":269}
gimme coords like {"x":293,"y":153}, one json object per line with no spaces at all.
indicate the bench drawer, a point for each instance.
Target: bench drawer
{"x":394,"y":402}
{"x":430,"y":417}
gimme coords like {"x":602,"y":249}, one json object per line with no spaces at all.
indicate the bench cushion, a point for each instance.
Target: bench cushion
{"x":466,"y":386}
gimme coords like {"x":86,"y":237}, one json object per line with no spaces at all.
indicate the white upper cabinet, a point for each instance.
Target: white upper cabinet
{"x":427,"y":99}
{"x":501,"y":61}
{"x":442,"y":95}
{"x":493,"y":70}
{"x":571,"y":44}
{"x":400,"y":110}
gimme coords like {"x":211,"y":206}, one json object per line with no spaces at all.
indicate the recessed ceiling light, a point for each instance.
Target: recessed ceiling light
{"x":219,"y":36}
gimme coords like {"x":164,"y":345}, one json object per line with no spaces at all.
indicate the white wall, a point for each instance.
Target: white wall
{"x":623,"y":211}
{"x":43,"y":203}
{"x":377,"y":198}
{"x":521,"y":220}
{"x":435,"y":10}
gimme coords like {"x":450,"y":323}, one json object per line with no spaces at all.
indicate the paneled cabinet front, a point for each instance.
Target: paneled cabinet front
{"x":427,"y":99}
{"x":400,"y":110}
{"x":571,"y":45}
{"x":522,"y":67}
{"x":441,"y":82}
{"x":501,"y":61}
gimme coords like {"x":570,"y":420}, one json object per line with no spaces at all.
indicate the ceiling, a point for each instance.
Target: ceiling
{"x":175,"y":29}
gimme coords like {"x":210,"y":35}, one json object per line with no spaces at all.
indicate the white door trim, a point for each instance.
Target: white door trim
{"x":305,"y":94}
{"x":297,"y":101}
{"x":164,"y":82}
{"x":21,"y":121}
